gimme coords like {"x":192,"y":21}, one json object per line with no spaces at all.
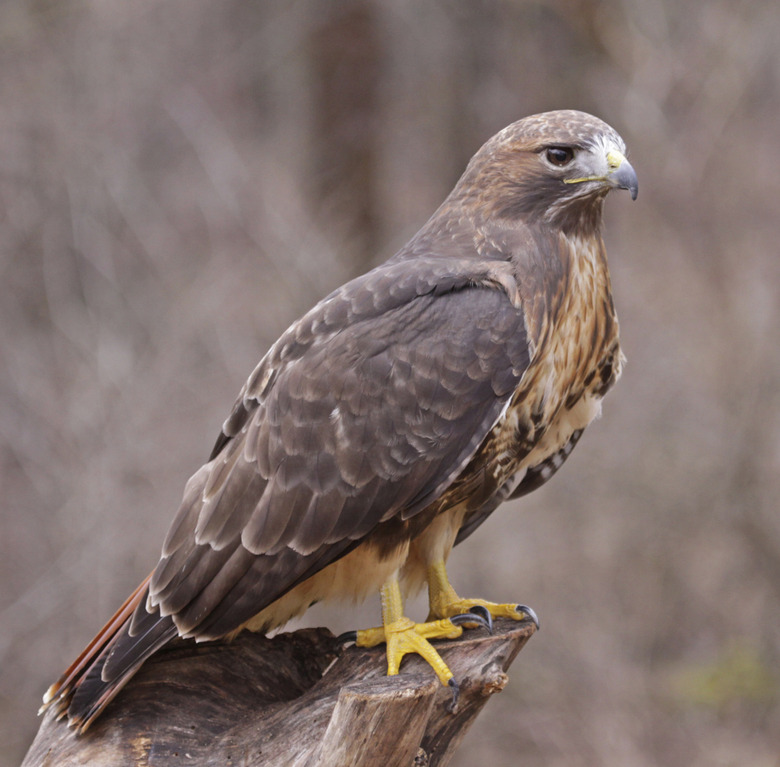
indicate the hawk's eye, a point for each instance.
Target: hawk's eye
{"x":559,"y":155}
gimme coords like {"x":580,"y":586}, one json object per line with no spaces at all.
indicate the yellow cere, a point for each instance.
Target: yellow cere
{"x":614,"y":159}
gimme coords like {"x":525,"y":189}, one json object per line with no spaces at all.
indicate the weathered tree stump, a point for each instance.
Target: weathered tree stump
{"x":295,"y":700}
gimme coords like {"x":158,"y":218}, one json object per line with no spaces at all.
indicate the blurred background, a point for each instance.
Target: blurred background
{"x":180,"y":179}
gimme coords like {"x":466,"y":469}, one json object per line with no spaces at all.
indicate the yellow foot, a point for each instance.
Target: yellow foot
{"x":445,"y":602}
{"x":516,"y":612}
{"x":403,"y":636}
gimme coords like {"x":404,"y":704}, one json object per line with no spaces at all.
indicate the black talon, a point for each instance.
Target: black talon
{"x":346,"y":637}
{"x":453,"y":704}
{"x":482,"y":610}
{"x":529,"y":612}
{"x":472,"y":617}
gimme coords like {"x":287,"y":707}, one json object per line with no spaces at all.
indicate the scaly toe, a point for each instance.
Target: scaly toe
{"x":404,"y":637}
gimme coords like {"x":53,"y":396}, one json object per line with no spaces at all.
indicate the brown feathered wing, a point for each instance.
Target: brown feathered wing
{"x":361,"y":414}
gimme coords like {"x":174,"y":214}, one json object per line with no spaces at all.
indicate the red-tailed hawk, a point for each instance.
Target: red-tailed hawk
{"x":388,"y":422}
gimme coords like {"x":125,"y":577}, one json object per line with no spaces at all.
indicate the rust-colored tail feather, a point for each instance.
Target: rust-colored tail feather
{"x":108,"y":661}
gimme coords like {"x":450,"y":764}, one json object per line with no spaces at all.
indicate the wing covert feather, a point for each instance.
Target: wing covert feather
{"x":366,"y":409}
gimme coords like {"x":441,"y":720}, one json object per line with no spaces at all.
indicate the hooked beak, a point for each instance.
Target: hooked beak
{"x":621,"y":174}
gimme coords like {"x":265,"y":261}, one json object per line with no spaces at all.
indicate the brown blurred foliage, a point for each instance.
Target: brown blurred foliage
{"x":181,"y":179}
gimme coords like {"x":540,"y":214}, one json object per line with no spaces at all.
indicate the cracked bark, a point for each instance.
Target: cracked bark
{"x":295,"y":699}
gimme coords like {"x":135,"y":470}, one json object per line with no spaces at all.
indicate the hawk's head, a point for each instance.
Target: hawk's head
{"x":556,"y":167}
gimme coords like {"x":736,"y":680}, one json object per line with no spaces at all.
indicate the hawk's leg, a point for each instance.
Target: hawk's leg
{"x":445,"y":603}
{"x":403,"y":636}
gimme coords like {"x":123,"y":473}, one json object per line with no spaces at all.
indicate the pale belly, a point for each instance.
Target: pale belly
{"x":353,"y":578}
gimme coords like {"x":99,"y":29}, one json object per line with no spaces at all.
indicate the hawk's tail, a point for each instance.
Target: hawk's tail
{"x":108,"y":661}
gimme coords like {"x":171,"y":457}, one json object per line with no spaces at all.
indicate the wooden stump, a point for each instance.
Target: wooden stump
{"x":296,"y":700}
